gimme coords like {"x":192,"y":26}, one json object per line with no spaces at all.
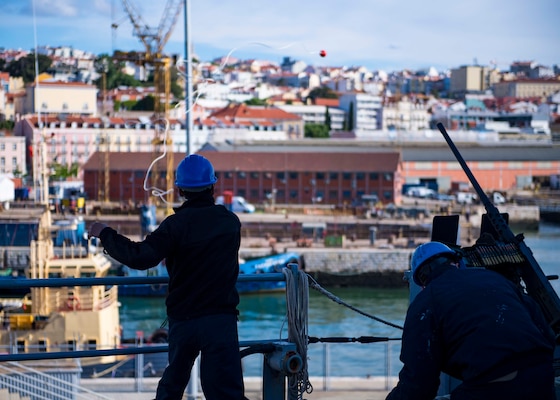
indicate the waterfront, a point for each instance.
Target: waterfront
{"x":262,"y":317}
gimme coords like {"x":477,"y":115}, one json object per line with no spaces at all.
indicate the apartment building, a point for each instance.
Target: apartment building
{"x":403,"y":114}
{"x":526,"y":88}
{"x":469,"y":79}
{"x":12,"y":155}
{"x":316,"y":114}
{"x":61,"y":97}
{"x":363,"y":109}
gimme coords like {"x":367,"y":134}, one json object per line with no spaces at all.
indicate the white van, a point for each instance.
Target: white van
{"x":238,"y":204}
{"x":498,"y":198}
{"x":466,"y":197}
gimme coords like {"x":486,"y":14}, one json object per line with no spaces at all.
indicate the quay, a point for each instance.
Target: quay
{"x":351,"y":250}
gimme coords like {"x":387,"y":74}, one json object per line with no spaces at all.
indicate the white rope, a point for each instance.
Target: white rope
{"x":297,"y":302}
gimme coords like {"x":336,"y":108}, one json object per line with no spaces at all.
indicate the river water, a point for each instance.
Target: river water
{"x":263,"y":317}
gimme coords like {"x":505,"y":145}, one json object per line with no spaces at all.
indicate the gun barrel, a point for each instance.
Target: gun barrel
{"x":536,"y":282}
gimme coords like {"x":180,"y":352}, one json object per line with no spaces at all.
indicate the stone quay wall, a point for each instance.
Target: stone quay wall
{"x":352,"y":267}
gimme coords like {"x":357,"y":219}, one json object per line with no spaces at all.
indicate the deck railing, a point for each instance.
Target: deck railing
{"x":273,"y":387}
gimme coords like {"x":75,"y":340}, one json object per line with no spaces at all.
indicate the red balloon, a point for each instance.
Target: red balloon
{"x":322,"y":53}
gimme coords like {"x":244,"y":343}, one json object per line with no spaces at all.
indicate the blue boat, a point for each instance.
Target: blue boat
{"x":267,"y":264}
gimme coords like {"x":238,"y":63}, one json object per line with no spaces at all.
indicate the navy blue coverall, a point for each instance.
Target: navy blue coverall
{"x":476,"y":326}
{"x":200,"y":244}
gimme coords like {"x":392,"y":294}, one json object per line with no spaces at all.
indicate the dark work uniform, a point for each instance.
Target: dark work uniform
{"x":200,"y":244}
{"x":474,"y":325}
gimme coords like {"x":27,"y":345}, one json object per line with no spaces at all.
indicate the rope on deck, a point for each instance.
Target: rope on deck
{"x":297,"y":305}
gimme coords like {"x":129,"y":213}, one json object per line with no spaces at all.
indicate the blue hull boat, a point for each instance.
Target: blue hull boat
{"x":268,"y":264}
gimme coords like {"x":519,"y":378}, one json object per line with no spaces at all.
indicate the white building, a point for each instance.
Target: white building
{"x":364,"y":109}
{"x":12,"y":155}
{"x":405,"y":115}
{"x":316,"y":114}
{"x":61,"y":98}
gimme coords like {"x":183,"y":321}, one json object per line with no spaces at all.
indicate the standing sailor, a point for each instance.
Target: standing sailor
{"x":200,"y":244}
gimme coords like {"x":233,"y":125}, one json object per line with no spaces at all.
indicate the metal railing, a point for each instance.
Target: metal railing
{"x":141,"y":349}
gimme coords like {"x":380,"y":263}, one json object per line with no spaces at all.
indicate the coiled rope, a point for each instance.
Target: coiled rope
{"x":297,"y":302}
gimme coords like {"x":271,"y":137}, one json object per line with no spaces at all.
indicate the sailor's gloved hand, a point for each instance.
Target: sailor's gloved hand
{"x":96,"y":228}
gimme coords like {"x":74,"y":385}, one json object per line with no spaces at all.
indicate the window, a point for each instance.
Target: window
{"x":241,"y":174}
{"x":43,"y":345}
{"x":346,"y":176}
{"x":280,"y":175}
{"x":320,"y":176}
{"x":293,"y":175}
{"x":360,"y":176}
{"x":333,"y":176}
{"x":254,"y":175}
{"x":373,"y":176}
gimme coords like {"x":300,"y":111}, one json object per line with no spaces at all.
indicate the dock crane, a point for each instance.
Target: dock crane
{"x":154,"y":40}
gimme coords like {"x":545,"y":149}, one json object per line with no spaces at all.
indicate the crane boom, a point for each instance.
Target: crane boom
{"x":168,"y":20}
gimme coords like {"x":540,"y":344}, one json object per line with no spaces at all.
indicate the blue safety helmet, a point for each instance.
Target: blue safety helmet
{"x":195,"y":174}
{"x":427,"y":252}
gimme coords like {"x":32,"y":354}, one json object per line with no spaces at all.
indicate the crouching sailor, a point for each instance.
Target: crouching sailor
{"x":474,"y":325}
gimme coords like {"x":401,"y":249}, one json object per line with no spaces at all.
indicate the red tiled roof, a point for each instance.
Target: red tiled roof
{"x":60,"y":83}
{"x":327,"y":102}
{"x":242,"y":111}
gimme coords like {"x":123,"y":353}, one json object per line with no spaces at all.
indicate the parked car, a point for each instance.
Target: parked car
{"x":421,"y":192}
{"x":238,"y":204}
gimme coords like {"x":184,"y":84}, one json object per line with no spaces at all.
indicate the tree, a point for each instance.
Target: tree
{"x":323,"y":92}
{"x":349,"y":122}
{"x":255,"y":102}
{"x":328,"y":119}
{"x":25,"y":66}
{"x":316,"y":131}
{"x":60,"y":172}
{"x":145,"y":104}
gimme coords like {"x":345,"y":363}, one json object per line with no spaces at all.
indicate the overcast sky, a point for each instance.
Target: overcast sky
{"x":378,"y":34}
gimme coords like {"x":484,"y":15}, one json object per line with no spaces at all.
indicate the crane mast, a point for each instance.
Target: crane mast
{"x":154,"y":40}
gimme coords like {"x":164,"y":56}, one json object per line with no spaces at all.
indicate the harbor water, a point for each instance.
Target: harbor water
{"x":262,"y":317}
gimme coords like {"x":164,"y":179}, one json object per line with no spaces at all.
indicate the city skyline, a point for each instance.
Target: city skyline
{"x":383,"y":34}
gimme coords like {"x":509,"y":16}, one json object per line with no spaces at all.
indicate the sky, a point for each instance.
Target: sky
{"x":378,"y":34}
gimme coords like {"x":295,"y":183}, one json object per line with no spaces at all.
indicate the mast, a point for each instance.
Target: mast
{"x":188,"y":83}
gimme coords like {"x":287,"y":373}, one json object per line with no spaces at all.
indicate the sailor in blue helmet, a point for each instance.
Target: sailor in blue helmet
{"x":200,"y":243}
{"x":476,"y":326}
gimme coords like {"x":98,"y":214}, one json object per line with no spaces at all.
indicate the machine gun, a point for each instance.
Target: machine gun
{"x":514,"y":252}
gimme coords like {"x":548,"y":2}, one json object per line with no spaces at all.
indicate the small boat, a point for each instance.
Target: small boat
{"x":266,"y":264}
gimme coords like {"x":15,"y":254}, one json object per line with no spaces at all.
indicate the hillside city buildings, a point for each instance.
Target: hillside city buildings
{"x":261,"y":151}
